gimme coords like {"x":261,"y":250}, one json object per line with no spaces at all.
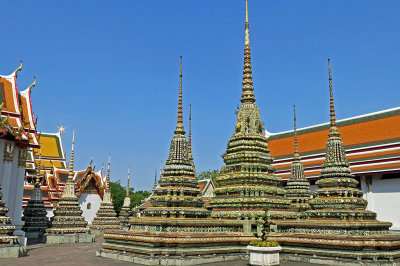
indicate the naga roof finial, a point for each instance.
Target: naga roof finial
{"x":333,"y":129}
{"x":33,"y":84}
{"x":179,"y":125}
{"x":247,"y":83}
{"x":71,"y":163}
{"x":19,"y":68}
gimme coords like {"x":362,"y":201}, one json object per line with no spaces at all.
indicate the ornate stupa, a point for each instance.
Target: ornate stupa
{"x":248,"y":183}
{"x":35,"y":214}
{"x":126,"y":210}
{"x":338,"y":226}
{"x":176,"y":229}
{"x":68,"y":225}
{"x":9,"y":244}
{"x":297,"y":187}
{"x":106,"y":218}
{"x":178,"y":193}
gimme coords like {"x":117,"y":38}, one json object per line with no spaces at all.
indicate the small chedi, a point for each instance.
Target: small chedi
{"x":35,"y":214}
{"x":248,"y":183}
{"x":338,"y":226}
{"x":176,"y":228}
{"x":298,"y":187}
{"x":126,"y":211}
{"x":9,"y":244}
{"x":68,"y":225}
{"x":106,"y":218}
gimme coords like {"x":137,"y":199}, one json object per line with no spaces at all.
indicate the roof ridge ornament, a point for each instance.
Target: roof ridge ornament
{"x":32,"y":85}
{"x":19,"y":68}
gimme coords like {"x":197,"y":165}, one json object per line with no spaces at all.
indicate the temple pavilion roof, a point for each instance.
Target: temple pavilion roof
{"x":372,"y":144}
{"x":16,"y":111}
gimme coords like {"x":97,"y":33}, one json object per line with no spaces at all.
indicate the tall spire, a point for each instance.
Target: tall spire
{"x":333,"y":132}
{"x":190,"y":133}
{"x":127,"y":183}
{"x":296,"y":148}
{"x":179,"y":124}
{"x":108,"y":174}
{"x":38,"y":168}
{"x":71,"y":163}
{"x":247,"y":88}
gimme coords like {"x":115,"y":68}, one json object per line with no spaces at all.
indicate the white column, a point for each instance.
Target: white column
{"x":367,"y":190}
{"x":8,"y":153}
{"x":2,"y":142}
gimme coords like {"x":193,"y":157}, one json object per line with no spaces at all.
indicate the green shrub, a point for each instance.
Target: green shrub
{"x":266,"y":243}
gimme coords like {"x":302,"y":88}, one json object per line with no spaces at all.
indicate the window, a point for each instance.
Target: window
{"x":88,"y":206}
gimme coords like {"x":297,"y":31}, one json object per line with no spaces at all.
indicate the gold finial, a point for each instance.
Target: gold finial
{"x":91,"y":161}
{"x":127,"y":184}
{"x":108,"y":173}
{"x":33,"y":84}
{"x":247,"y":38}
{"x":190,"y":132}
{"x":179,"y":125}
{"x":333,"y":130}
{"x":19,"y":68}
{"x":247,"y":83}
{"x":71,"y":163}
{"x":296,"y":149}
{"x":61,"y":129}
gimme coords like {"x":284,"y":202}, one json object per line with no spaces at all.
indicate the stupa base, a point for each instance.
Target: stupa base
{"x":55,"y":239}
{"x":12,"y":251}
{"x":324,"y":257}
{"x":35,"y":238}
{"x":340,"y":249}
{"x":176,"y":260}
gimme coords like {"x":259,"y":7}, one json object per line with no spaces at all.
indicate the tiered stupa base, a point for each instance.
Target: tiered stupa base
{"x":105,"y":220}
{"x":174,"y":241}
{"x":123,"y":217}
{"x":36,"y":221}
{"x":337,"y":242}
{"x":67,"y":225}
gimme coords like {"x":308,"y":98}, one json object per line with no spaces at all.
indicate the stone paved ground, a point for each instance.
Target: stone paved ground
{"x":84,"y":254}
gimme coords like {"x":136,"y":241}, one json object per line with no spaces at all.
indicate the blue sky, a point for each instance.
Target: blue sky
{"x":110,"y":69}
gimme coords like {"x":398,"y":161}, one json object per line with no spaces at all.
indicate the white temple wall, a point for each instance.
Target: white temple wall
{"x":94,"y":200}
{"x":383,"y":197}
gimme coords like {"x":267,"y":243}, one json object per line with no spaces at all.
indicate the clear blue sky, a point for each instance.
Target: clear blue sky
{"x":110,"y":69}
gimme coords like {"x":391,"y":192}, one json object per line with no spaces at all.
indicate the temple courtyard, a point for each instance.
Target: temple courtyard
{"x":84,"y":254}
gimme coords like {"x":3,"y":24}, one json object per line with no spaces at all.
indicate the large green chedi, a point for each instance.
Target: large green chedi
{"x":248,"y":183}
{"x":178,"y":193}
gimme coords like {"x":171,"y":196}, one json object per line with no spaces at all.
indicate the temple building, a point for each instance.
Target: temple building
{"x":17,"y":135}
{"x":248,"y":183}
{"x":372,"y":145}
{"x":89,"y":184}
{"x":176,"y":228}
{"x":338,"y":224}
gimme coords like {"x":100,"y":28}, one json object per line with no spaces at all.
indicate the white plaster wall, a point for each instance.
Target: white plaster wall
{"x":94,"y":200}
{"x":384,"y":199}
